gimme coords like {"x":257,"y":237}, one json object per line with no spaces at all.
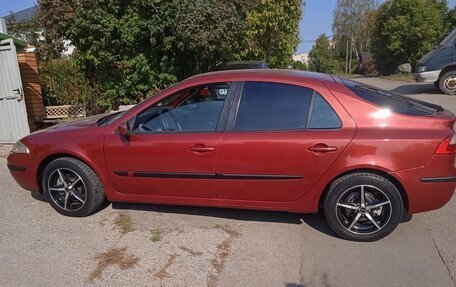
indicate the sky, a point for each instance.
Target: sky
{"x":317,"y":18}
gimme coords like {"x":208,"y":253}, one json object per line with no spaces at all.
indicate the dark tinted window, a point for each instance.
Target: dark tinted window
{"x":323,"y":116}
{"x":273,"y":106}
{"x":394,"y":102}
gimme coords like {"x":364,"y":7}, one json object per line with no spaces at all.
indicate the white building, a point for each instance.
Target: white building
{"x":303,"y":58}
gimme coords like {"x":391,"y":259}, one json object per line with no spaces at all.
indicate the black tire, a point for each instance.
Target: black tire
{"x":436,"y":84}
{"x":352,"y":221}
{"x":447,"y":83}
{"x":80,"y":200}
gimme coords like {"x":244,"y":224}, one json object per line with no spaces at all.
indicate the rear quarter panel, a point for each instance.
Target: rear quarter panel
{"x":383,"y":141}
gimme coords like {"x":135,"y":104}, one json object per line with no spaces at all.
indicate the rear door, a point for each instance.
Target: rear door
{"x":279,"y":141}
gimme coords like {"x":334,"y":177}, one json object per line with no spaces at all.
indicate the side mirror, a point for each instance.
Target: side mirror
{"x":122,"y":130}
{"x":125,"y":129}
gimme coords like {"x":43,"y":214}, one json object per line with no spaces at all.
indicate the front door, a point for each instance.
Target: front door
{"x":173,"y":148}
{"x":13,"y":113}
{"x":283,"y":140}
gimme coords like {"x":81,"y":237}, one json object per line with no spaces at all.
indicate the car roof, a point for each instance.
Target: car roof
{"x":266,"y":74}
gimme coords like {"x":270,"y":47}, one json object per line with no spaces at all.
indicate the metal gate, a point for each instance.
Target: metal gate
{"x":13,"y":113}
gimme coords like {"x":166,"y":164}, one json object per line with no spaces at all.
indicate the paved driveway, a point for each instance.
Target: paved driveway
{"x":150,"y":245}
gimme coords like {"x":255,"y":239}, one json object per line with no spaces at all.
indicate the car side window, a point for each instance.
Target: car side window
{"x":268,"y":106}
{"x":323,"y":116}
{"x":196,"y":109}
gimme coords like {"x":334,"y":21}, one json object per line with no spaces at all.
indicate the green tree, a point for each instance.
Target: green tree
{"x":273,"y":31}
{"x":405,"y":30}
{"x":122,"y":47}
{"x":64,"y":83}
{"x":298,"y":65}
{"x":322,"y":58}
{"x":54,"y":16}
{"x":203,"y":33}
{"x":351,"y":19}
{"x":451,"y":19}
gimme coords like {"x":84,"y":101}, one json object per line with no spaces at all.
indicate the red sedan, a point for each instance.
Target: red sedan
{"x":258,"y":139}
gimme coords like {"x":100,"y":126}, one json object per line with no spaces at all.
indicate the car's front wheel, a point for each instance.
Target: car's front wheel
{"x":363,"y":206}
{"x":71,"y":187}
{"x":447,"y":83}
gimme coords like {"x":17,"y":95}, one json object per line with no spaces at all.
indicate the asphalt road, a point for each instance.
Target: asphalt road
{"x":150,"y":245}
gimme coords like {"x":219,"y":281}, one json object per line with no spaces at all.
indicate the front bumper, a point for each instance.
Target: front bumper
{"x":429,"y":187}
{"x":427,"y":77}
{"x":23,"y":168}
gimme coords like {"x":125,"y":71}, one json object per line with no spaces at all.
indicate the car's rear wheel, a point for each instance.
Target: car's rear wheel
{"x":447,"y":83}
{"x":72,"y":188}
{"x":363,"y":206}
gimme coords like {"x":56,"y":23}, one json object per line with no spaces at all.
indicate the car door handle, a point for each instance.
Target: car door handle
{"x":201,"y":148}
{"x":322,"y":148}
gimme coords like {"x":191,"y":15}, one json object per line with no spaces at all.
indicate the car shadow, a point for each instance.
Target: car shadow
{"x":228,"y":213}
{"x":38,"y":196}
{"x":318,"y":222}
{"x":416,"y":89}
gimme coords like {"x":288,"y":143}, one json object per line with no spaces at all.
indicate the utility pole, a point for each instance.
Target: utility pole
{"x":346,"y":60}
{"x":350,"y":61}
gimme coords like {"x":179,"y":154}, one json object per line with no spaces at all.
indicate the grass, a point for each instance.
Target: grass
{"x":402,"y":77}
{"x":191,"y":251}
{"x":348,"y":76}
{"x":162,"y":273}
{"x":155,"y":235}
{"x":123,"y":223}
{"x":223,"y":251}
{"x":114,"y":256}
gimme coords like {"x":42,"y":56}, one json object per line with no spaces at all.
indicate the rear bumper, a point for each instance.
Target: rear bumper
{"x":429,"y":187}
{"x":23,"y":169}
{"x":427,"y":77}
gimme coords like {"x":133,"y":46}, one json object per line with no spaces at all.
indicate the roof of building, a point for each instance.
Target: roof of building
{"x":17,"y":42}
{"x":23,"y":15}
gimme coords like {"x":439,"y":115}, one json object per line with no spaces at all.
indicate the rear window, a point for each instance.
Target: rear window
{"x":396,"y":103}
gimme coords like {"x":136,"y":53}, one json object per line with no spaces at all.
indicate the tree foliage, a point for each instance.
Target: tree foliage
{"x":351,"y":23}
{"x":273,"y":31}
{"x":202,"y":34}
{"x":405,"y":30}
{"x":62,"y":79}
{"x":451,"y":19}
{"x":131,"y":48}
{"x":322,"y":57}
{"x":54,"y":16}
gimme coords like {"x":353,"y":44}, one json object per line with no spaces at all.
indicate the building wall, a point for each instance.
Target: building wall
{"x":32,"y":89}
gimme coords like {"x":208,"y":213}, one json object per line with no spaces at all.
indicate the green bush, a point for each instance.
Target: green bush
{"x":63,"y":83}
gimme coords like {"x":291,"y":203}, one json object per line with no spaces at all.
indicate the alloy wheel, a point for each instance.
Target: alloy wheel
{"x":67,"y":189}
{"x":363,"y":209}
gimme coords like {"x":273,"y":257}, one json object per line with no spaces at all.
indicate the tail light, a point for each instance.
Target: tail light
{"x":447,"y":146}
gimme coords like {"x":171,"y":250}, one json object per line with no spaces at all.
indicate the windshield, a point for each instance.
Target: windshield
{"x":448,"y":38}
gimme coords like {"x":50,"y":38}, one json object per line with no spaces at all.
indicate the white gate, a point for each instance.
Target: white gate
{"x":13,"y":113}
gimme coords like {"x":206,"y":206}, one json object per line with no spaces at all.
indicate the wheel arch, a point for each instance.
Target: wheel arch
{"x":450,"y":67}
{"x":48,"y":159}
{"x":379,"y":172}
